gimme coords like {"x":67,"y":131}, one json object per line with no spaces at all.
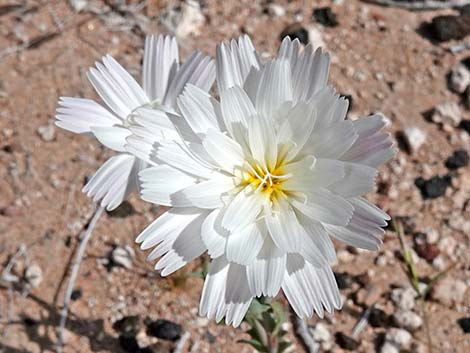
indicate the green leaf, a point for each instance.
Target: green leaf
{"x":255,"y":344}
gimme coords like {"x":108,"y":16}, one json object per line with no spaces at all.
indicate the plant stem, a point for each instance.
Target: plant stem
{"x":73,"y":275}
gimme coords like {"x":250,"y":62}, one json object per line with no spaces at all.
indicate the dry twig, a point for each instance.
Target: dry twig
{"x":421,"y":5}
{"x":73,"y":275}
{"x":303,"y":332}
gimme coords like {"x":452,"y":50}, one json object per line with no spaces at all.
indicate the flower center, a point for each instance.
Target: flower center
{"x":264,"y":179}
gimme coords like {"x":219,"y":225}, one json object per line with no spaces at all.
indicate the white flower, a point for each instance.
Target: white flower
{"x":262,"y":180}
{"x":163,"y":80}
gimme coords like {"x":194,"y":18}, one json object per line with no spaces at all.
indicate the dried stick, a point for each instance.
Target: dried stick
{"x":181,"y":342}
{"x":421,"y":5}
{"x":73,"y":276}
{"x":303,"y":332}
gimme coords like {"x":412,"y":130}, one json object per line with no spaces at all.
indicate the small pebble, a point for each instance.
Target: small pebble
{"x":76,"y":294}
{"x":325,"y":16}
{"x":464,"y":324}
{"x":434,"y":187}
{"x":427,"y":251}
{"x":295,"y":31}
{"x":408,"y":320}
{"x":33,"y":275}
{"x":164,"y":329}
{"x":459,"y":159}
{"x":344,"y":280}
{"x":129,"y":344}
{"x":403,"y":298}
{"x":378,"y":318}
{"x":447,"y":113}
{"x":322,"y":334}
{"x":444,"y":28}
{"x":398,"y":337}
{"x":414,"y":138}
{"x":346,"y":342}
{"x":449,"y":291}
{"x":459,"y":78}
{"x":46,"y":132}
{"x":128,"y":326}
{"x":276,"y":10}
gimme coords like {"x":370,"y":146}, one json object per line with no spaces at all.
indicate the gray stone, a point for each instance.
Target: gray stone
{"x":447,"y":113}
{"x":403,"y":298}
{"x":191,"y":21}
{"x":408,"y":320}
{"x":414,"y":138}
{"x":459,"y":78}
{"x":46,"y":132}
{"x":322,"y":335}
{"x":33,"y":275}
{"x":449,"y":291}
{"x":399,"y":338}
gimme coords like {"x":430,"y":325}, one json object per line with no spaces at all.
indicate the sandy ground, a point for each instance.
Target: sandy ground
{"x":45,"y":49}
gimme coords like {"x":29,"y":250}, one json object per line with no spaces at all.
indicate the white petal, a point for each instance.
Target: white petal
{"x":319,"y":238}
{"x":297,"y":126}
{"x":225,"y":151}
{"x":331,"y":142}
{"x":234,"y":62}
{"x":113,"y":137}
{"x":372,"y":147}
{"x":236,"y":108}
{"x":310,"y":289}
{"x":155,"y":122}
{"x":78,"y":115}
{"x":242,"y":211}
{"x":167,"y":227}
{"x":290,"y":236}
{"x":188,"y":157}
{"x":198,"y":109}
{"x":187,"y":246}
{"x":113,"y":181}
{"x":243,"y":245}
{"x":359,"y":179}
{"x":275,"y":87}
{"x":266,"y":273}
{"x":116,"y":87}
{"x":263,"y":143}
{"x":205,"y":194}
{"x":225,"y":292}
{"x":160,"y":182}
{"x":160,"y":63}
{"x":310,"y":68}
{"x":324,"y":206}
{"x":310,"y":173}
{"x":213,"y":235}
{"x":198,"y":70}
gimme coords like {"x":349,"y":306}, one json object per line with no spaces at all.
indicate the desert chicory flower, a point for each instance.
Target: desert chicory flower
{"x":262,"y":180}
{"x":163,"y":80}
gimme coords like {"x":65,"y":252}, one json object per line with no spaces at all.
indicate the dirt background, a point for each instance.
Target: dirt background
{"x":379,"y":57}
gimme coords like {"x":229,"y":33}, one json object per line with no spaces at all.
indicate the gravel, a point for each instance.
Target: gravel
{"x":449,"y":291}
{"x":447,"y":113}
{"x":46,"y":132}
{"x":123,"y":256}
{"x":414,"y":138}
{"x":408,"y":320}
{"x":459,"y":159}
{"x":33,"y":275}
{"x":164,"y":329}
{"x":459,"y":78}
{"x":322,"y":335}
{"x":403,"y":298}
{"x":434,"y":187}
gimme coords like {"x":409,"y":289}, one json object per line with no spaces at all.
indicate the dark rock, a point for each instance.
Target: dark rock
{"x":29,"y":322}
{"x":128,"y":326}
{"x":349,"y":98}
{"x":124,"y":210}
{"x":465,"y":10}
{"x":164,"y":329}
{"x":459,"y":159}
{"x":465,"y":125}
{"x":76,"y":294}
{"x":344,"y":280}
{"x":295,"y":31}
{"x":129,"y":344}
{"x":325,"y":16}
{"x":378,"y":318}
{"x":464,"y":324}
{"x":363,"y":279}
{"x":434,"y":187}
{"x":444,"y":28}
{"x":346,"y":342}
{"x":427,"y":251}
